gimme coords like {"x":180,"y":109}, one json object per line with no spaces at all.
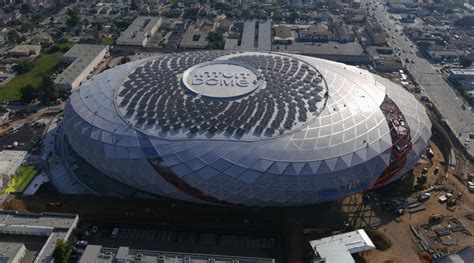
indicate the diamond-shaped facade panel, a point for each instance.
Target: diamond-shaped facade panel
{"x":300,"y":130}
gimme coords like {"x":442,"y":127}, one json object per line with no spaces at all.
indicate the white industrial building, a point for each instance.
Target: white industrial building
{"x":10,"y":161}
{"x":140,"y":31}
{"x":256,"y":35}
{"x":338,"y":248}
{"x":55,"y":226}
{"x":82,"y":60}
{"x":12,"y":252}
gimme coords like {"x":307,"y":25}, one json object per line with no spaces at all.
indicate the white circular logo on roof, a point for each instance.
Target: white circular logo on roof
{"x":222,"y":79}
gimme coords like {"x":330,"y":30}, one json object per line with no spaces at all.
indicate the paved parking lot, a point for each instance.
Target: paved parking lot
{"x":26,"y":137}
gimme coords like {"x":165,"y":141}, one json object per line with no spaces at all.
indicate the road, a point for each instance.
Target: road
{"x":459,"y":118}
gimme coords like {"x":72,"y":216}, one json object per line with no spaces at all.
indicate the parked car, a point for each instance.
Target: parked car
{"x":81,"y":243}
{"x":77,"y":251}
{"x":424,"y":197}
{"x":470,"y":186}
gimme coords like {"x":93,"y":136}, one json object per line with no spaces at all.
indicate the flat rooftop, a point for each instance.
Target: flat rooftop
{"x":82,"y":56}
{"x":9,"y":250}
{"x":467,"y":71}
{"x":329,"y":48}
{"x":26,"y":49}
{"x":97,"y":253}
{"x":256,"y":35}
{"x":53,"y":225}
{"x":9,"y":161}
{"x":338,"y":248}
{"x":52,"y":220}
{"x":194,"y":37}
{"x":141,"y":27}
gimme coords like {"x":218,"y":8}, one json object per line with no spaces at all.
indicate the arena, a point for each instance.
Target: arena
{"x":246,"y":128}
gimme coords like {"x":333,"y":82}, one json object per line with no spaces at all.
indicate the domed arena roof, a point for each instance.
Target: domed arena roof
{"x":250,"y":128}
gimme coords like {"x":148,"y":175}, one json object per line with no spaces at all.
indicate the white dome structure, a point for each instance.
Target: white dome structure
{"x":247,"y":128}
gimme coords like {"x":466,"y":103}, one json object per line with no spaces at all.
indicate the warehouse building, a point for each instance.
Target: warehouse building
{"x":256,"y":35}
{"x":52,"y":226}
{"x":82,"y":59}
{"x":140,"y":31}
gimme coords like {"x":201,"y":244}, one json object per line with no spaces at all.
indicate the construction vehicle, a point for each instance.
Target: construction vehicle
{"x":436,"y":218}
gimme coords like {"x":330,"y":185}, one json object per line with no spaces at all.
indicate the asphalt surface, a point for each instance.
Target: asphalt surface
{"x":450,"y":104}
{"x":27,"y":136}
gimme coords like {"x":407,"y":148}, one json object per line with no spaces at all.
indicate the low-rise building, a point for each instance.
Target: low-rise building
{"x":195,"y":37}
{"x":4,"y":114}
{"x":140,"y":31}
{"x":256,"y":35}
{"x":343,"y":34}
{"x":338,"y":248}
{"x":438,"y":54}
{"x":10,"y":161}
{"x":54,"y":226}
{"x":463,"y":79}
{"x":12,"y":252}
{"x":223,"y":26}
{"x":377,"y":35}
{"x":82,"y":59}
{"x":283,"y":35}
{"x":351,"y":52}
{"x":5,"y":78}
{"x":25,"y":50}
{"x":462,"y":74}
{"x":95,"y":253}
{"x":315,"y":33}
{"x":383,"y":59}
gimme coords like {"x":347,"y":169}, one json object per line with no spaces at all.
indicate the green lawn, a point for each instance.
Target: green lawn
{"x":108,"y":41}
{"x":21,"y":179}
{"x":43,"y":65}
{"x":65,"y":45}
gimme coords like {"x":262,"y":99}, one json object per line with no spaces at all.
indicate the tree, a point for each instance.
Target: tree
{"x":57,"y":4}
{"x":47,"y":91}
{"x":73,"y":18}
{"x":439,"y":42}
{"x":216,"y":40}
{"x":25,"y":8}
{"x":61,"y":251}
{"x":23,"y":67}
{"x":13,"y":37}
{"x":466,"y":21}
{"x":424,"y":45}
{"x":28,"y":93}
{"x":133,"y":5}
{"x":465,"y":62}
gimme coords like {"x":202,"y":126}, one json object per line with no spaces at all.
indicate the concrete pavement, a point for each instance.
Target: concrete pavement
{"x":455,"y":110}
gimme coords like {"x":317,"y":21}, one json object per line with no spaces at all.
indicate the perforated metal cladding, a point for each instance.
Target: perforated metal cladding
{"x":346,"y":146}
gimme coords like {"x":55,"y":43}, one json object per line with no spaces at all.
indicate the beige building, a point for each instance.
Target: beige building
{"x":140,"y":31}
{"x":82,"y":60}
{"x":195,"y":37}
{"x":25,"y":50}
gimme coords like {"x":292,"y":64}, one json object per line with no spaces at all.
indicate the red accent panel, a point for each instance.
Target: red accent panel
{"x":401,"y":139}
{"x":167,"y":174}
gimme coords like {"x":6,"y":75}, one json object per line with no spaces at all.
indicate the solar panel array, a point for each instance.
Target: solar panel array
{"x":152,"y":98}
